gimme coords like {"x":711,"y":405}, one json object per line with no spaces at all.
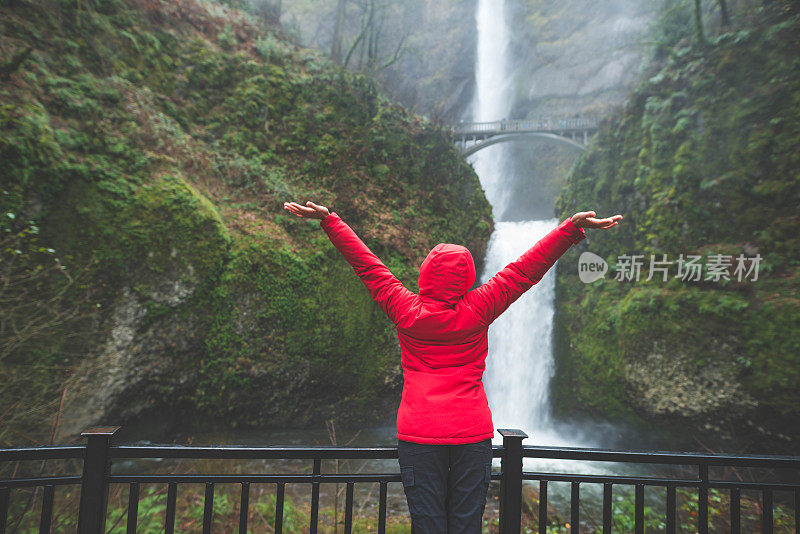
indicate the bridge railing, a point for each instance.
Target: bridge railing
{"x":524,"y":125}
{"x":98,"y":454}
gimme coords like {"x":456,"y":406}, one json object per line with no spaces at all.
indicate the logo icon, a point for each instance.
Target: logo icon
{"x":591,"y":267}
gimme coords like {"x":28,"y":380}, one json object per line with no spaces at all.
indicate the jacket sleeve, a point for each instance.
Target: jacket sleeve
{"x":385,"y":289}
{"x":496,"y":295}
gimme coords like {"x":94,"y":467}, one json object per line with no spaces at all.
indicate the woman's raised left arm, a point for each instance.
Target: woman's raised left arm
{"x":384,"y":288}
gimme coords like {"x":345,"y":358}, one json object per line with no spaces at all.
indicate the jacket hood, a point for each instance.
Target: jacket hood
{"x":447,"y":273}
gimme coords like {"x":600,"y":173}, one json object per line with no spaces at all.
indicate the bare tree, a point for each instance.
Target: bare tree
{"x":698,"y":22}
{"x":269,"y":10}
{"x":723,"y":9}
{"x":37,"y":293}
{"x":44,"y":311}
{"x":336,"y":45}
{"x":371,"y":58}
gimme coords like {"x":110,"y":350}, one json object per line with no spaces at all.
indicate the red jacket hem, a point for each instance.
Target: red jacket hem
{"x":446,"y":441}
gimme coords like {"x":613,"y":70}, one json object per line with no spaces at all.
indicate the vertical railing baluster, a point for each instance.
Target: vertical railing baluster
{"x":244,"y":508}
{"x":169,"y":517}
{"x":133,"y":508}
{"x":279,"y":508}
{"x":511,"y":481}
{"x":796,"y":510}
{"x":348,"y":509}
{"x":638,"y":520}
{"x":46,"y":519}
{"x":671,"y":510}
{"x":208,"y":508}
{"x":736,"y":511}
{"x":315,"y":496}
{"x":5,"y":497}
{"x":542,"y":507}
{"x":382,"y":509}
{"x":94,"y":490}
{"x":766,"y":511}
{"x":702,"y":500}
{"x":575,"y":507}
{"x":607,"y":509}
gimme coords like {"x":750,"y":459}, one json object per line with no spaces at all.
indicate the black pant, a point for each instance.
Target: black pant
{"x":446,"y":485}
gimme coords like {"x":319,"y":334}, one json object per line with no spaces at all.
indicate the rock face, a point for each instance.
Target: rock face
{"x":575,"y":58}
{"x":160,"y":156}
{"x":690,"y":146}
{"x":672,"y":384}
{"x":570,"y":59}
{"x":120,"y":382}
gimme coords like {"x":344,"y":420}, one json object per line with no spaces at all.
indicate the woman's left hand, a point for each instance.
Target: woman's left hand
{"x":309,"y":211}
{"x":587,"y":219}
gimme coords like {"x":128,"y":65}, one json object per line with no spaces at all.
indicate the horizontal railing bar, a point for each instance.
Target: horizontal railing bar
{"x":252,"y":453}
{"x":253,"y":479}
{"x":520,"y":121}
{"x":777,"y":486}
{"x":515,"y":122}
{"x":599,"y":455}
{"x":661,"y":457}
{"x":496,"y":131}
{"x":238,"y":479}
{"x":610,"y":479}
{"x":39,"y":481}
{"x":42,"y":453}
{"x":561,"y":453}
{"x":657,"y":481}
{"x":260,"y":453}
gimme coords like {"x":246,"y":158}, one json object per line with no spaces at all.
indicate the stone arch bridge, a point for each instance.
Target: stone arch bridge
{"x":471,"y":137}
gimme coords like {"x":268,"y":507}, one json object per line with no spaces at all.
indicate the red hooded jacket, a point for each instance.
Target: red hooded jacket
{"x":443,"y":331}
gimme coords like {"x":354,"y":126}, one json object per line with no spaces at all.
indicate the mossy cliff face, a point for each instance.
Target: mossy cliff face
{"x":156,"y":142}
{"x":702,"y":160}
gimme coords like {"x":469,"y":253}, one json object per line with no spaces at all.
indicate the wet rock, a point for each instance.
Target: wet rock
{"x":120,"y":381}
{"x":662,"y":385}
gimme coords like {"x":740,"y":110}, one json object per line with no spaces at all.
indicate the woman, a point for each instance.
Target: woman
{"x":444,"y":425}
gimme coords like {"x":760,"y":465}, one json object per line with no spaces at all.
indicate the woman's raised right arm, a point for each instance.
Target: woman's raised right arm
{"x":496,"y":295}
{"x":499,"y":292}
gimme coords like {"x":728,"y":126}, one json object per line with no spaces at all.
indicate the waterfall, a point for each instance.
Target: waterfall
{"x":520,"y":361}
{"x":492,"y":101}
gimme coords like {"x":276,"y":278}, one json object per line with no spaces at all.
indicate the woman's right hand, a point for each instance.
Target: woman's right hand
{"x":587,"y":219}
{"x":309,"y":211}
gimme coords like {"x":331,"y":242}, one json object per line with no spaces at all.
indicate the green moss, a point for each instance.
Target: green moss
{"x":158,"y":145}
{"x":701,"y":160}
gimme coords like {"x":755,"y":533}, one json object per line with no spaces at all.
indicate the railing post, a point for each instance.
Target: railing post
{"x":94,"y":490}
{"x":511,"y":481}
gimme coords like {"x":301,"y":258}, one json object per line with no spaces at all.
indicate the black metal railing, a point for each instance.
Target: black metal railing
{"x":98,"y":454}
{"x":700,"y":464}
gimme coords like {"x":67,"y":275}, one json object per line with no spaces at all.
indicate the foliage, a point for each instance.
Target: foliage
{"x":623,"y":508}
{"x":189,"y":512}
